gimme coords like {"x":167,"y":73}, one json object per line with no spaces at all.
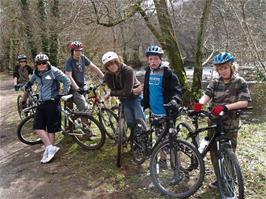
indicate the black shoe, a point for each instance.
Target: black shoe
{"x":178,"y":176}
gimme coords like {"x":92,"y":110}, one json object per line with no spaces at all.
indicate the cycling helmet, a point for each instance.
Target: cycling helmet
{"x":41,"y":57}
{"x":222,"y":58}
{"x":76,"y":45}
{"x":22,"y":57}
{"x":154,"y":50}
{"x":109,"y":56}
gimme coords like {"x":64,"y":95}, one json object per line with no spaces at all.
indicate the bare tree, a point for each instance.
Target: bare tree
{"x":197,"y":76}
{"x":26,"y":17}
{"x":165,"y":35}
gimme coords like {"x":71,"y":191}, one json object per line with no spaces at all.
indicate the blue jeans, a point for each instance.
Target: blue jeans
{"x":133,"y":110}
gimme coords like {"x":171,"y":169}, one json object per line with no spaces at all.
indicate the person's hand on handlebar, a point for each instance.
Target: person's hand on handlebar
{"x":173,"y":104}
{"x":218,"y":109}
{"x":197,"y":107}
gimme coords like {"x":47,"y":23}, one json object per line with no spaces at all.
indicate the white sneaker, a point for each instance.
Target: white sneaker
{"x":44,"y":156}
{"x":51,"y":151}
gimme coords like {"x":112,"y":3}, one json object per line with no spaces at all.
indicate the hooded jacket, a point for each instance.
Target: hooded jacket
{"x":122,"y":82}
{"x":48,"y":83}
{"x":171,"y":86}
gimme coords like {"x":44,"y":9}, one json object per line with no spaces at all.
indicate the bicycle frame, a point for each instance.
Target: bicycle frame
{"x":170,"y":130}
{"x":218,"y":136}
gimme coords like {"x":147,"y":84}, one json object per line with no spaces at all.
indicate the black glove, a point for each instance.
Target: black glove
{"x":173,"y":104}
{"x":28,"y":85}
{"x":81,"y":91}
{"x":17,"y":87}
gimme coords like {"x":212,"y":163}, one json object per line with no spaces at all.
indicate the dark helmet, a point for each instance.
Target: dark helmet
{"x":21,"y":58}
{"x":154,"y":50}
{"x":41,"y":57}
{"x":223,"y":57}
{"x":76,"y":45}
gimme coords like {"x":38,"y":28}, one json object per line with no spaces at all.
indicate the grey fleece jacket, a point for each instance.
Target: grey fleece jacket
{"x":49,"y":83}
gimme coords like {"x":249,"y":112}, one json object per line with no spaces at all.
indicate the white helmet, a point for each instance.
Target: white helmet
{"x":41,"y":57}
{"x":109,"y":56}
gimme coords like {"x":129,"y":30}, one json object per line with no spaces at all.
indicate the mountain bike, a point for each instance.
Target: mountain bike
{"x":228,"y":171}
{"x":86,"y":131}
{"x":106,"y":116}
{"x":170,"y":157}
{"x":30,"y":102}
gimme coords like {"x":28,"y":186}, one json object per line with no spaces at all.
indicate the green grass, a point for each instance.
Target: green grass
{"x":98,"y":167}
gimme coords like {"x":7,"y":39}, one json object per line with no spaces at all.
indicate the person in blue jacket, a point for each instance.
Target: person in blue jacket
{"x":47,"y":119}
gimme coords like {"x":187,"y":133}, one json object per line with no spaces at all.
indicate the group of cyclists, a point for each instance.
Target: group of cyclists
{"x":161,"y":86}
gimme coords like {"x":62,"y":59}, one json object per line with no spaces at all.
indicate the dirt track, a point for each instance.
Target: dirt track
{"x":22,"y":175}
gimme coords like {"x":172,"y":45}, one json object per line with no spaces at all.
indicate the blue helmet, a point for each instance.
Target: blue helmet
{"x":154,"y":50}
{"x":223,"y":57}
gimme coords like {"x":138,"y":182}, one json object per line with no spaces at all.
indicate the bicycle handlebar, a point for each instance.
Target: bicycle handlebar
{"x":204,"y":113}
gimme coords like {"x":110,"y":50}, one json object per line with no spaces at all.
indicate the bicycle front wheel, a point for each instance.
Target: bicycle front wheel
{"x":229,"y":175}
{"x":110,"y":122}
{"x":169,"y":171}
{"x":139,"y":142}
{"x":88,"y":132}
{"x":25,"y":131}
{"x":121,"y":140}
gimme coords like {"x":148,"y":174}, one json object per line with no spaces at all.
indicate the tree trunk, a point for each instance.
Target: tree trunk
{"x":197,"y":75}
{"x":54,"y":46}
{"x":28,"y":27}
{"x":169,"y":43}
{"x":43,"y":25}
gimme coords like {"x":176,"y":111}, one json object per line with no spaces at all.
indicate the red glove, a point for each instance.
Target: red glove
{"x":218,"y":109}
{"x":197,"y":107}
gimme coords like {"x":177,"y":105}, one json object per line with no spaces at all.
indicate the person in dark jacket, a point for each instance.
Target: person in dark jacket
{"x":21,"y":76}
{"x":22,"y":72}
{"x":122,"y":81}
{"x":161,"y":86}
{"x":47,"y":119}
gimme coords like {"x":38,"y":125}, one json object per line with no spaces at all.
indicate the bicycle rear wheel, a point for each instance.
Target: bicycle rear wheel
{"x":88,"y":132}
{"x":25,"y":131}
{"x":139,"y":142}
{"x":110,"y":122}
{"x":168,"y":168}
{"x":229,"y":175}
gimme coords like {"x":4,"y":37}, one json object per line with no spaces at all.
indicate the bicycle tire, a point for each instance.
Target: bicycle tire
{"x":229,"y":175}
{"x":139,"y":142}
{"x":110,"y":122}
{"x":120,"y":140}
{"x":165,"y":179}
{"x":25,"y":132}
{"x":19,"y":106}
{"x":82,"y":130}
